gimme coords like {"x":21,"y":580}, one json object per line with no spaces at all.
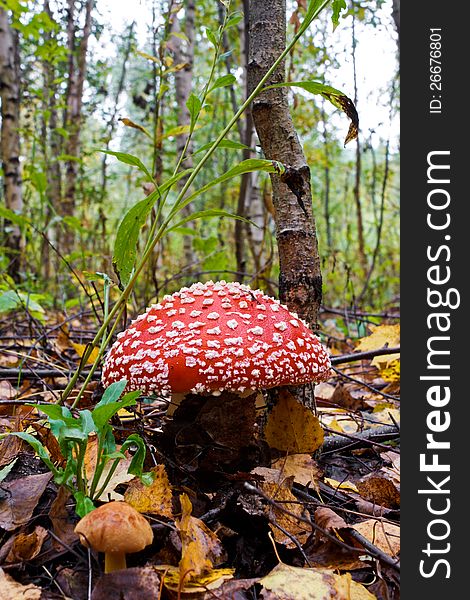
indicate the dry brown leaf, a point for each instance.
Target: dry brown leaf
{"x":328,"y":520}
{"x":12,"y":590}
{"x":155,"y":498}
{"x":136,"y":583}
{"x":380,"y":488}
{"x":292,"y":428}
{"x":293,"y":583}
{"x":27,"y":546}
{"x":63,"y":524}
{"x":22,"y":496}
{"x":301,"y":467}
{"x":120,"y":475}
{"x":385,"y":536}
{"x":290,"y":523}
{"x":201,"y":548}
{"x":10,"y":447}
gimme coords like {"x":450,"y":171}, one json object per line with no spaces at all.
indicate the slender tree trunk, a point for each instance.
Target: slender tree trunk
{"x":10,"y":140}
{"x":184,"y":54}
{"x":396,"y":18}
{"x":358,"y":168}
{"x":73,"y":115}
{"x":300,"y":280}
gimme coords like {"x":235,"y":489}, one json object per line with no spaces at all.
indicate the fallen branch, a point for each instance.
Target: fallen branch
{"x":343,"y":358}
{"x":369,"y":437}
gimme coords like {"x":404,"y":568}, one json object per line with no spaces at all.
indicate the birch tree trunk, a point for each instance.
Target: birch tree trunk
{"x":73,"y":114}
{"x":300,"y":280}
{"x":10,"y":140}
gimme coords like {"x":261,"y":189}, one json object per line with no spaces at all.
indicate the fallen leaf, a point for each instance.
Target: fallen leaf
{"x":12,"y":590}
{"x":292,"y":428}
{"x":80,"y":349}
{"x":22,"y":496}
{"x":198,"y":586}
{"x":380,"y":488}
{"x":328,"y":520}
{"x":293,"y":583}
{"x":281,"y":494}
{"x":135,"y":583}
{"x":341,"y":485}
{"x":301,"y":467}
{"x":385,"y":536}
{"x":27,"y":546}
{"x":383,"y":336}
{"x":61,"y":515}
{"x":120,"y":475}
{"x":201,"y":549}
{"x":155,"y":498}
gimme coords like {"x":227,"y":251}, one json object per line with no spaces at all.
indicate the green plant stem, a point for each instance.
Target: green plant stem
{"x":108,"y":478}
{"x":150,"y":246}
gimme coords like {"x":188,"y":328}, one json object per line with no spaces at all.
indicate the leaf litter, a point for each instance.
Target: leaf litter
{"x":259,"y":528}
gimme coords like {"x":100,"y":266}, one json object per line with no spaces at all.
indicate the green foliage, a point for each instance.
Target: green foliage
{"x":72,"y":435}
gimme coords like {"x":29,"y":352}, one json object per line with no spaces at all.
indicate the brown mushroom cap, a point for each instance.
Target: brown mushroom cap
{"x":213,"y":337}
{"x":115,"y":527}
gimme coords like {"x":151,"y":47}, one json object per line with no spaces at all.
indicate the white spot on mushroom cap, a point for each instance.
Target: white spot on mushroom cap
{"x":213,"y":315}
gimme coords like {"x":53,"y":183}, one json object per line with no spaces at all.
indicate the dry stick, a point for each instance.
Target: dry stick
{"x":292,"y":538}
{"x":364,"y":384}
{"x":340,"y":440}
{"x":372,"y":550}
{"x":343,"y":358}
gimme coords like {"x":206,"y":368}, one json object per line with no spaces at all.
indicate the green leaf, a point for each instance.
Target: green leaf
{"x":125,"y":247}
{"x":222,"y":82}
{"x":246,"y":166}
{"x":8,"y":214}
{"x":314,"y":8}
{"x":336,"y":97}
{"x":6,"y":470}
{"x":102,"y":414}
{"x":211,"y":37}
{"x":84,"y":505}
{"x":210,"y":213}
{"x":137,"y":463}
{"x":129,"y":159}
{"x":338,"y":6}
{"x":233,"y":19}
{"x":112,"y":393}
{"x":231,"y":145}
{"x":193,"y":104}
{"x":54,"y":411}
{"x":39,"y":449}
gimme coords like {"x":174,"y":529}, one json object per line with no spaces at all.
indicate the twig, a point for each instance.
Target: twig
{"x":364,"y":384}
{"x":364,"y":438}
{"x":372,"y":549}
{"x":14,"y":373}
{"x":344,"y":358}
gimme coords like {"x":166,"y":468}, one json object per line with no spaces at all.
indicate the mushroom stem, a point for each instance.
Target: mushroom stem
{"x":114,"y":561}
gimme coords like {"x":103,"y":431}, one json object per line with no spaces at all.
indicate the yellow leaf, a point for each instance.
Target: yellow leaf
{"x":129,"y":123}
{"x":80,"y":349}
{"x":343,"y":485}
{"x":292,"y":428}
{"x":385,"y":536}
{"x":281,"y":494}
{"x":286,"y":582}
{"x":382,"y":336}
{"x":197,"y":585}
{"x":301,"y":467}
{"x":201,"y":548}
{"x":391,"y":371}
{"x":155,"y":498}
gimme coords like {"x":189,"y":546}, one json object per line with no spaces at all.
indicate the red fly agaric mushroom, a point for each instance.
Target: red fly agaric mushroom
{"x":116,"y":529}
{"x":215,"y":337}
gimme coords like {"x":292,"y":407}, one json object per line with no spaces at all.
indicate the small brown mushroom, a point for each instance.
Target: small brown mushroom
{"x":116,"y":529}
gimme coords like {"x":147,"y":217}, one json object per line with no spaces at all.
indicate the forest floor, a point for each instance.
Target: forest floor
{"x":315,"y":519}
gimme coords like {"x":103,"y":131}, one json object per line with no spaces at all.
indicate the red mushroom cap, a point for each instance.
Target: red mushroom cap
{"x":213,"y":337}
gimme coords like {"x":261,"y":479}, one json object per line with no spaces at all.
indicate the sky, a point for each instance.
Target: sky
{"x":375,"y":62}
